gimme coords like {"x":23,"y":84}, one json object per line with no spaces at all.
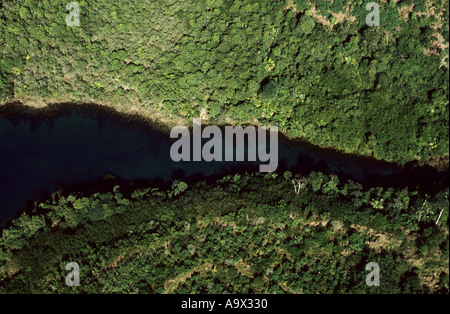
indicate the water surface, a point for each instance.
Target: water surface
{"x":76,"y":144}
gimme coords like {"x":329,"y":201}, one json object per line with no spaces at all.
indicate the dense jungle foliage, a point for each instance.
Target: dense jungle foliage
{"x":315,"y":68}
{"x":247,"y":233}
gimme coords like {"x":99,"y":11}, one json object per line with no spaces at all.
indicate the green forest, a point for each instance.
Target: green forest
{"x":315,"y":69}
{"x":243,"y":233}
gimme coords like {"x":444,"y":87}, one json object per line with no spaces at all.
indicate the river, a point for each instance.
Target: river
{"x":74,"y":144}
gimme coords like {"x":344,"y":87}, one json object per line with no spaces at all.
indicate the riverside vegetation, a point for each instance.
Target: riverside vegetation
{"x":313,"y":69}
{"x":247,"y":233}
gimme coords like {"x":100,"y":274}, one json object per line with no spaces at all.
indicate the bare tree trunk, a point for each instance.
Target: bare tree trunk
{"x":439,"y":217}
{"x":297,"y":188}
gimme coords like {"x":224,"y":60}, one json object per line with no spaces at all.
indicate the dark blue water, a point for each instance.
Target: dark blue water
{"x":80,"y":145}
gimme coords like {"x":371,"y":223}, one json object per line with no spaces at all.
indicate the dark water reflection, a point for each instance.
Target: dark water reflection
{"x":75,"y":144}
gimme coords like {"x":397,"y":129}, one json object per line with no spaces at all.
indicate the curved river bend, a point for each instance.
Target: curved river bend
{"x":76,"y":144}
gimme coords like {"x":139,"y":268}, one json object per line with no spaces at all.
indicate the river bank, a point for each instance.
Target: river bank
{"x":57,"y":146}
{"x":131,"y":114}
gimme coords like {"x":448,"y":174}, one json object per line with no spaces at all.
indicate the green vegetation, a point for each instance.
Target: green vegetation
{"x":241,"y":234}
{"x":317,"y":71}
{"x":312,"y":68}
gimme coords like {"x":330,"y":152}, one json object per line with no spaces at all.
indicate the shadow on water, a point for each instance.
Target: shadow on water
{"x":91,"y":148}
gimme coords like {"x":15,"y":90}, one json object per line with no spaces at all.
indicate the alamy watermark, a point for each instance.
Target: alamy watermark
{"x":73,"y":18}
{"x":213,"y":149}
{"x":73,"y":278}
{"x":373,"y":278}
{"x":373,"y":18}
